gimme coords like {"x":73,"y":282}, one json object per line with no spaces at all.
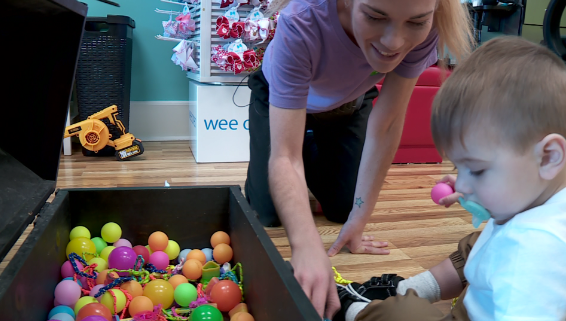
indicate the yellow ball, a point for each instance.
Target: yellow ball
{"x":108,"y":300}
{"x":172,"y":250}
{"x":79,"y":231}
{"x":84,"y":301}
{"x":81,"y":245}
{"x":106,"y":252}
{"x":111,"y":232}
{"x":149,"y":249}
{"x":102,"y":264}
{"x":159,"y":292}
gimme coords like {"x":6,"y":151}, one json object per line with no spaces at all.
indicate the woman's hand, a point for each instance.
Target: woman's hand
{"x":351,"y":236}
{"x":452,"y":198}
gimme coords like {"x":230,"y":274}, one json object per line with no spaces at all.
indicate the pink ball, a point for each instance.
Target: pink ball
{"x":84,"y":282}
{"x":95,"y":290}
{"x":56,"y":303}
{"x":67,"y":269}
{"x":122,"y":258}
{"x":160,"y":259}
{"x":94,"y":318}
{"x":143,"y":251}
{"x":68,"y":292}
{"x":122,"y":242}
{"x":439,"y":191}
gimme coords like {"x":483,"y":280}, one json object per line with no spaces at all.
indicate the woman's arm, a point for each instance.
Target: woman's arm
{"x":385,"y":126}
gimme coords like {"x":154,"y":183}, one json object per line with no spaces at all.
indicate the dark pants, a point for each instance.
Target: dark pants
{"x":332,"y":151}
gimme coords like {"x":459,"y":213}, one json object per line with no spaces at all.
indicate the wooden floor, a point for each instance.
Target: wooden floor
{"x":420,"y":233}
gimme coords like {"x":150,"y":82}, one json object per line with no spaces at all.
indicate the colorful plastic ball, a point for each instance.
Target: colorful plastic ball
{"x":160,"y":259}
{"x":94,"y":309}
{"x":197,"y":255}
{"x":192,"y":269}
{"x":185,"y":294}
{"x":79,"y":231}
{"x":68,"y":292}
{"x":101,"y":277}
{"x":143,"y":251}
{"x":177,"y":279}
{"x":105,"y":253}
{"x":101,"y":264}
{"x":219,"y":237}
{"x":95,"y":289}
{"x":82,"y":302}
{"x":183,"y":255}
{"x":108,"y":300}
{"x":67,"y":268}
{"x":81,"y":245}
{"x":172,"y":250}
{"x":133,"y":287}
{"x":158,"y":241}
{"x":226,"y":294}
{"x":94,"y":318}
{"x":208,"y":253}
{"x":242,"y":316}
{"x":122,"y":242}
{"x":206,"y":313}
{"x":122,"y":258}
{"x":240,"y":307}
{"x":223,"y":253}
{"x":56,"y":303}
{"x":159,"y":292}
{"x":149,"y":249}
{"x":140,"y":304}
{"x":99,"y":243}
{"x":61,"y":309}
{"x":111,"y":232}
{"x":62,"y":317}
{"x":439,"y":191}
{"x":71,"y":279}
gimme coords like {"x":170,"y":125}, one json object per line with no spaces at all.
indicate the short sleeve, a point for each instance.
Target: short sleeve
{"x":290,"y":66}
{"x":531,"y":285}
{"x":420,"y":58}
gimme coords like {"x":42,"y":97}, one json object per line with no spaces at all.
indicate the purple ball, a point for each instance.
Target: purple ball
{"x":122,"y":242}
{"x":95,"y":290}
{"x":95,"y":318}
{"x":122,"y":258}
{"x":160,"y":259}
{"x":68,"y":292}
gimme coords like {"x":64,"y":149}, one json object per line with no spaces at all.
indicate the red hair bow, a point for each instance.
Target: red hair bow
{"x":228,"y":29}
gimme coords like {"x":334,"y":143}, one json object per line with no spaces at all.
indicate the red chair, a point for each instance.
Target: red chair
{"x":416,"y":144}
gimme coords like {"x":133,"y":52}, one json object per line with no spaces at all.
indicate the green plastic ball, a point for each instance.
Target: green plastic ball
{"x":111,"y":232}
{"x":206,"y":313}
{"x":99,"y":243}
{"x":79,"y":231}
{"x":184,"y":294}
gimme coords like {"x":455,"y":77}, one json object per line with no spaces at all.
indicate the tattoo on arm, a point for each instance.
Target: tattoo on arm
{"x":359,"y":202}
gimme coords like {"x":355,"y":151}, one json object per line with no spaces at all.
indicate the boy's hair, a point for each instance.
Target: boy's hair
{"x":510,"y":88}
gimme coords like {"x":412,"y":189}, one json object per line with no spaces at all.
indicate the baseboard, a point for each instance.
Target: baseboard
{"x":161,"y":120}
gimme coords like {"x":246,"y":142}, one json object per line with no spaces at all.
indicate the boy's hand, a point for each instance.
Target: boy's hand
{"x":452,"y":198}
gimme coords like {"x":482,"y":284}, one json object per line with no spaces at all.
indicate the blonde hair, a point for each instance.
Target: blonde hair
{"x":510,"y":88}
{"x":451,"y":19}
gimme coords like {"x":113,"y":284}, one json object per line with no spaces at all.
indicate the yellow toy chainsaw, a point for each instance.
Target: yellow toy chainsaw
{"x":95,"y":135}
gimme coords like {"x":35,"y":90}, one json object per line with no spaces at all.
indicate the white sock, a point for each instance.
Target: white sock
{"x":425,"y":284}
{"x":354,"y":309}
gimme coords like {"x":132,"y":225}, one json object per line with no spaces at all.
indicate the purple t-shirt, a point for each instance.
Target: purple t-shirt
{"x":312,"y":62}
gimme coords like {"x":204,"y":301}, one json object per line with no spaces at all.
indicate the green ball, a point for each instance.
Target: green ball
{"x":111,"y":232}
{"x":99,"y":243}
{"x":184,"y":294}
{"x":79,"y":231}
{"x":206,"y":313}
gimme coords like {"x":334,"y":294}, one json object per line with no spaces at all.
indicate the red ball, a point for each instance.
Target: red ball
{"x":226,"y":294}
{"x":143,"y":251}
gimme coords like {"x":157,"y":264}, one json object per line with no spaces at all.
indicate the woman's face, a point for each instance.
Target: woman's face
{"x":386,"y":30}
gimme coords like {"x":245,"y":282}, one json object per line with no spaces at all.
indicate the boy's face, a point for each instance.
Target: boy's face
{"x":493,"y":175}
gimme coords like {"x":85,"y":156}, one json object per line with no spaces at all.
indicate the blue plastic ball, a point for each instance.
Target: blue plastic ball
{"x":62,"y":317}
{"x":61,"y":309}
{"x":208,"y":253}
{"x":78,"y":281}
{"x":183,"y":254}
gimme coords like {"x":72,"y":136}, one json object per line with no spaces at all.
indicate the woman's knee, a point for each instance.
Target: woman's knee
{"x":337,"y":210}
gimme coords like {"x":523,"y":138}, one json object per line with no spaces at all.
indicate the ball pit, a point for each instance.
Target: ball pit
{"x":106,"y":277}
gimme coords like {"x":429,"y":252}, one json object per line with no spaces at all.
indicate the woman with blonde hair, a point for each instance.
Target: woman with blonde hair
{"x":313,"y":124}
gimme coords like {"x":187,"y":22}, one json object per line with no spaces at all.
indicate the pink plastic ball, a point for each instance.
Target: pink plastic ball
{"x":439,"y":191}
{"x":67,"y":269}
{"x":122,"y":258}
{"x":68,"y":292}
{"x":122,"y":242}
{"x":95,"y":290}
{"x":56,"y":303}
{"x":94,"y":318}
{"x":143,"y":251}
{"x":160,"y":259}
{"x":84,"y":282}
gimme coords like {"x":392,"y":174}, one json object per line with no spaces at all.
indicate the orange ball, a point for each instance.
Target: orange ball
{"x":140,"y":304}
{"x":158,"y":241}
{"x":192,"y":269}
{"x":101,"y":277}
{"x":177,"y":279}
{"x":226,"y":294}
{"x":197,"y":255}
{"x":242,"y":316}
{"x":133,"y":287}
{"x":222,"y":253}
{"x":219,"y":238}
